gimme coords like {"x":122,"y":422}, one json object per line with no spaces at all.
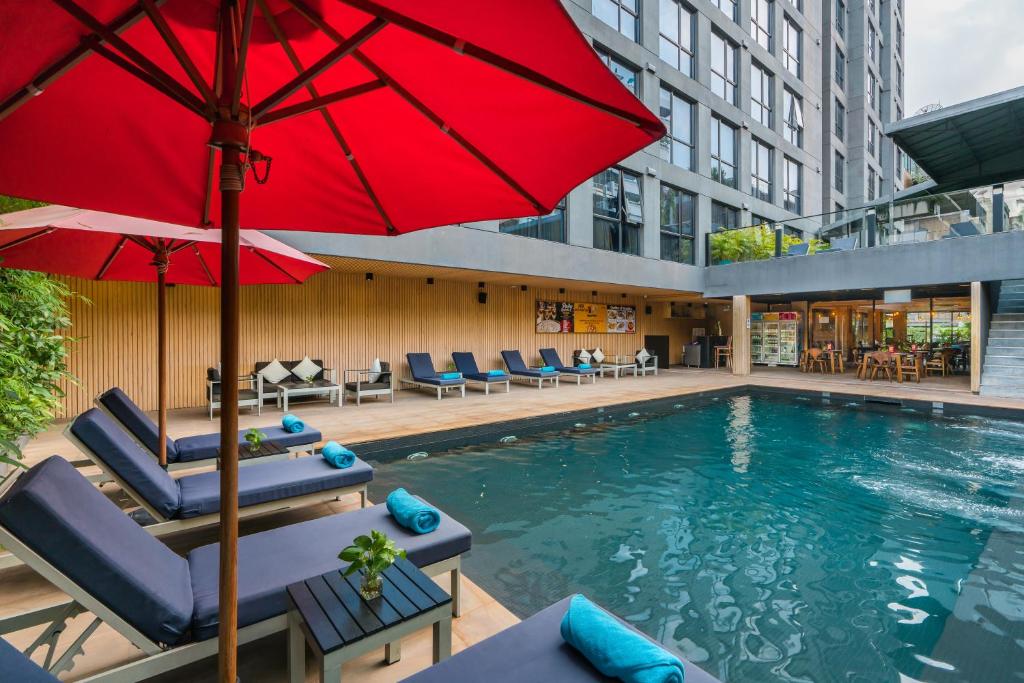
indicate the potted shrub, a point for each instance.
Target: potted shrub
{"x":255,"y":439}
{"x":372,"y":554}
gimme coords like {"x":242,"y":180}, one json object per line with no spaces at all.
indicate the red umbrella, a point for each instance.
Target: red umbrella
{"x":104,"y":246}
{"x":381,"y":116}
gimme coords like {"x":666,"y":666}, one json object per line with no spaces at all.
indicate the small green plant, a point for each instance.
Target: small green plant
{"x":372,"y":554}
{"x":255,"y":438}
{"x":309,"y":378}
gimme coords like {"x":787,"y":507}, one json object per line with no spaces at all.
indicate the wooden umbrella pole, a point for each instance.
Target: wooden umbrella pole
{"x":161,"y":330}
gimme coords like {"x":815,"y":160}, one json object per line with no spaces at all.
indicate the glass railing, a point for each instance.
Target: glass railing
{"x":964,"y":213}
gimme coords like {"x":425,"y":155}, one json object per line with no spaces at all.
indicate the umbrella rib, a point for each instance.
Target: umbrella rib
{"x":494,"y":59}
{"x":334,"y":35}
{"x":27,"y":238}
{"x":110,"y":258}
{"x":179,"y":52}
{"x":202,"y":262}
{"x":57,"y":68}
{"x":147,"y":78}
{"x":275,"y":265}
{"x":143,"y":62}
{"x":319,"y":102}
{"x":184,"y":245}
{"x":208,"y":196}
{"x":344,"y":48}
{"x":328,"y":119}
{"x":243,"y":53}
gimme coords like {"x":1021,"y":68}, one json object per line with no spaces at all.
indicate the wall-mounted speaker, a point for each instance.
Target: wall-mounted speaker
{"x":369,"y":276}
{"x":430,"y":280}
{"x":481,"y":297}
{"x":648,"y":310}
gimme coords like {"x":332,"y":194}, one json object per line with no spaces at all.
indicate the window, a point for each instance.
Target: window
{"x":761,"y":94}
{"x":872,"y":87}
{"x":793,"y":117}
{"x":840,"y":120}
{"x":677,"y":114}
{"x":618,"y":211}
{"x":840,"y":68}
{"x":791,"y":47}
{"x":550,"y":227}
{"x":724,"y":217}
{"x":899,"y":113}
{"x":841,"y":18}
{"x":677,"y":212}
{"x":723,"y":152}
{"x":727,"y":6}
{"x":761,"y":14}
{"x":629,"y":76}
{"x":791,"y":185}
{"x":761,"y":170}
{"x":871,"y":184}
{"x":872,"y":137}
{"x":899,"y":40}
{"x":840,"y":171}
{"x":879,"y":178}
{"x":723,"y":68}
{"x":899,"y":81}
{"x":677,"y":24}
{"x":872,"y":39}
{"x":621,"y":15}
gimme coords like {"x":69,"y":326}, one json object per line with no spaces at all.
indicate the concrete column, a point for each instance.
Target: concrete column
{"x":979,"y":332}
{"x":741,"y":335}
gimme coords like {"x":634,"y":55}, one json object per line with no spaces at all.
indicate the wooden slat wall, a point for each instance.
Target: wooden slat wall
{"x":339,"y":317}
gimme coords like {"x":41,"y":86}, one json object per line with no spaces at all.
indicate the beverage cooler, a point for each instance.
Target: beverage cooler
{"x":775,"y":338}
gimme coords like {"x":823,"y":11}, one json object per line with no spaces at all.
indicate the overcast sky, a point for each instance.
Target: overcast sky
{"x":957,"y":50}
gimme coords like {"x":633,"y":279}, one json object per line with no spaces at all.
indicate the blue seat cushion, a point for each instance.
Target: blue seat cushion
{"x":269,"y":561}
{"x":530,"y":372}
{"x":113,"y":446}
{"x":16,"y":667}
{"x":577,"y":371}
{"x":280,"y":480}
{"x":484,"y":377}
{"x":135,"y":421}
{"x":205,"y":446}
{"x":438,"y":382}
{"x":60,"y":515}
{"x":532,"y":650}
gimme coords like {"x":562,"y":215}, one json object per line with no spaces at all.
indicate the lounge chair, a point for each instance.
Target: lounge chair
{"x":841,"y":244}
{"x":369,"y":382}
{"x":550,"y":357}
{"x":518,"y":369}
{"x":532,"y":650}
{"x":465,"y":363}
{"x":648,"y":365}
{"x":425,"y":376}
{"x":67,"y":531}
{"x":16,"y":667}
{"x":191,"y":451}
{"x":194,"y":500}
{"x":800,"y":249}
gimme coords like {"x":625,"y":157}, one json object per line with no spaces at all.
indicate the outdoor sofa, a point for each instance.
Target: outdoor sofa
{"x":72,"y":535}
{"x":424,"y":376}
{"x":532,"y":650}
{"x":324,"y":381}
{"x":550,"y":357}
{"x":519,"y":371}
{"x":648,"y":365}
{"x":191,"y":451}
{"x":194,"y":500}
{"x":465,"y":363}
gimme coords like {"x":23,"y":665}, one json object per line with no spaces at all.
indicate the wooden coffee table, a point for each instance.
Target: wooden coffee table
{"x":329,"y":614}
{"x":269,"y":451}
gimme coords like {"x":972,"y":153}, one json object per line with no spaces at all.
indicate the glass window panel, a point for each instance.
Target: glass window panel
{"x":668,"y":20}
{"x":606,"y":11}
{"x":633,"y":197}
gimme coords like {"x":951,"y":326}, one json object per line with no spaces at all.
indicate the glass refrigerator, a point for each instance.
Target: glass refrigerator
{"x":775,"y":338}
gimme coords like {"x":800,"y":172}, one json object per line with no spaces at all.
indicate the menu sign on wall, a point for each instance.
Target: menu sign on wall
{"x":561,"y":317}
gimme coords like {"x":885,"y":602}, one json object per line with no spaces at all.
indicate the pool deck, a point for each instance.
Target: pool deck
{"x":416,"y":412}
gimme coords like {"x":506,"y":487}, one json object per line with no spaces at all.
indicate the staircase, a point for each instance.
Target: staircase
{"x":1003,"y":371}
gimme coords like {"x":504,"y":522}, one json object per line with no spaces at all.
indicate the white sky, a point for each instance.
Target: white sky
{"x":958,"y":50}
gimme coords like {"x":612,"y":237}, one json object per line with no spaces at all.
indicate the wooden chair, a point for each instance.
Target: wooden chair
{"x":909,"y":369}
{"x":875,"y":361}
{"x":816,"y":358}
{"x":940,"y":363}
{"x":724,"y":352}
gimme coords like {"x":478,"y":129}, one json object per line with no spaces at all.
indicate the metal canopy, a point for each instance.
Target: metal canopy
{"x":979,"y":142}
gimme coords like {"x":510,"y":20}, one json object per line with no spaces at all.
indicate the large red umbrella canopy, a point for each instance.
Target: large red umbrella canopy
{"x":409,"y":114}
{"x":95,"y":245}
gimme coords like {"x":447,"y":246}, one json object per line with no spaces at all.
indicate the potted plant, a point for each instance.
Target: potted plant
{"x":372,"y":554}
{"x":255,"y":438}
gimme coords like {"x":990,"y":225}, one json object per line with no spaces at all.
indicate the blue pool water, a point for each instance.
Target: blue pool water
{"x":765,"y":538}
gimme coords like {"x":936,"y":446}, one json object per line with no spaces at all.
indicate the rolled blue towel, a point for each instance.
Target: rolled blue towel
{"x":548,"y":368}
{"x":293,"y":424}
{"x":412,"y":513}
{"x":495,"y":373}
{"x":584,"y":366}
{"x":615,"y":649}
{"x":338,"y":455}
{"x":450,"y":375}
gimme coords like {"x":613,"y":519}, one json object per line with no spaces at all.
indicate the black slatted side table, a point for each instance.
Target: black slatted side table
{"x":329,"y":614}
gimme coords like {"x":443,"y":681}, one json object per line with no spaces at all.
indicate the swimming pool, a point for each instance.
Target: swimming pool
{"x":766,"y":538}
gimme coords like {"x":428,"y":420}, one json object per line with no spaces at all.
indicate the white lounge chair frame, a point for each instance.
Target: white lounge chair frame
{"x":487,"y":385}
{"x":158,"y":658}
{"x":165,"y":525}
{"x":581,"y":376}
{"x":530,"y":379}
{"x":437,"y":387}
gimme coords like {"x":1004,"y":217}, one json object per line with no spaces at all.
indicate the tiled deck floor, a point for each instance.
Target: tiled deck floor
{"x":264,"y":662}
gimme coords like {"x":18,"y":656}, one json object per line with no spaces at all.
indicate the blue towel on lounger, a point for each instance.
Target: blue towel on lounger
{"x":338,"y":455}
{"x":412,"y":513}
{"x":615,"y":649}
{"x":495,"y":373}
{"x":584,"y":366}
{"x":293,"y":424}
{"x":548,"y":368}
{"x":450,"y":375}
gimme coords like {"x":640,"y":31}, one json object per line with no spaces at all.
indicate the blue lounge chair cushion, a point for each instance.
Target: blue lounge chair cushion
{"x":205,"y":446}
{"x":551,"y":358}
{"x":137,"y":422}
{"x":66,"y":520}
{"x":270,"y":560}
{"x":200,"y":493}
{"x":532,"y":650}
{"x":15,"y":666}
{"x":421,"y":366}
{"x":569,"y":370}
{"x":516,"y":366}
{"x":128,"y":460}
